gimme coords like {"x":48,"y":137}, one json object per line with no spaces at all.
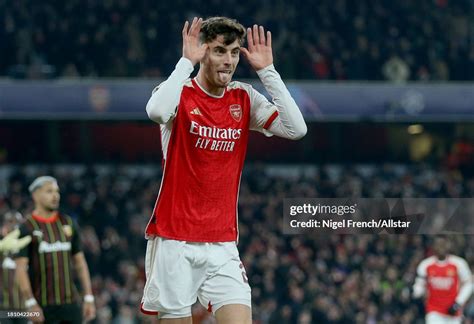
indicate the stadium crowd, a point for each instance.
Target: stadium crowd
{"x":295,"y":279}
{"x":331,"y":40}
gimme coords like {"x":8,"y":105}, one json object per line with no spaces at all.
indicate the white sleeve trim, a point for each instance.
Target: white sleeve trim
{"x":162,"y":105}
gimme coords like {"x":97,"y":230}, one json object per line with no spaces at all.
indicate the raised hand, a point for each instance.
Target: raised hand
{"x":12,"y":243}
{"x":192,"y":50}
{"x":259,"y":52}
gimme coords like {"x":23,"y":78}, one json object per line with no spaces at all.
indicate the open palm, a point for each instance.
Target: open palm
{"x":259,"y":52}
{"x":192,"y":49}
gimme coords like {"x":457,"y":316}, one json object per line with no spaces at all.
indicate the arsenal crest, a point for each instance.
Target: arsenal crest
{"x":236,"y":112}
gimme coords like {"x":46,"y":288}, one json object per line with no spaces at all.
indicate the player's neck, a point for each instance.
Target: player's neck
{"x":207,"y":87}
{"x":43,"y":213}
{"x":442,"y":258}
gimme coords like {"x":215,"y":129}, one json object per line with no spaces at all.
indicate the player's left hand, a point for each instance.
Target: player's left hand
{"x":88,"y":311}
{"x":259,"y":52}
{"x":453,"y":310}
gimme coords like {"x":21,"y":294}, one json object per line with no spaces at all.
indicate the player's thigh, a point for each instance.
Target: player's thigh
{"x":228,"y":284}
{"x":172,"y":280}
{"x":234,"y":314}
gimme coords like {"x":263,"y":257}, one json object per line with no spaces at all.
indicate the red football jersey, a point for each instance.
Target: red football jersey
{"x":443,"y":279}
{"x":204,"y":149}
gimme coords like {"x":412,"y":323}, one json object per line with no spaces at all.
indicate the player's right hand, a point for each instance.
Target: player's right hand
{"x":192,"y":49}
{"x":36,"y":309}
{"x":11,"y":243}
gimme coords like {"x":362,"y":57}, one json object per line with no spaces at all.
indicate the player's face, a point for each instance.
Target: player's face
{"x":220,"y":62}
{"x":441,"y":247}
{"x":48,"y":196}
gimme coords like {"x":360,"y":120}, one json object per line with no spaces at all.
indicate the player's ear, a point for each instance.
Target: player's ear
{"x":208,"y":51}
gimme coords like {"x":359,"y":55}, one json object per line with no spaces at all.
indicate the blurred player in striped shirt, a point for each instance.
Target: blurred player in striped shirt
{"x":45,"y":268}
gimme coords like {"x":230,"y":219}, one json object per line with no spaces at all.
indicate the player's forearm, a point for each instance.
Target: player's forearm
{"x":464,"y":292}
{"x":83,"y":274}
{"x":290,"y":122}
{"x":23,"y":279}
{"x":162,"y":104}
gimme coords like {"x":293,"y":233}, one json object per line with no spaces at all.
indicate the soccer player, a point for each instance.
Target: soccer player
{"x":447,"y":281}
{"x":204,"y":123}
{"x":45,"y":267}
{"x":10,"y":297}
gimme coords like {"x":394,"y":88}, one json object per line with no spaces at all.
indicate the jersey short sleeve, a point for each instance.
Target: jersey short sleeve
{"x":24,"y":231}
{"x":76,"y":242}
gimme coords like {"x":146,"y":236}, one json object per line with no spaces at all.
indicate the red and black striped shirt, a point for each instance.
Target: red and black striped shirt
{"x":10,"y":296}
{"x":54,"y":242}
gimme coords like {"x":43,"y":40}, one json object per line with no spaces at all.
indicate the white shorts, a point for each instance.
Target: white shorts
{"x":178,"y":273}
{"x":438,"y":318}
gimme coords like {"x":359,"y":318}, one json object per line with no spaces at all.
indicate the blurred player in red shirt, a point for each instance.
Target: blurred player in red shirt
{"x":446,"y":280}
{"x":204,"y":124}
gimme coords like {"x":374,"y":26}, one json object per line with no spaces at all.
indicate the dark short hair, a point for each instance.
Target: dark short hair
{"x":231,"y":29}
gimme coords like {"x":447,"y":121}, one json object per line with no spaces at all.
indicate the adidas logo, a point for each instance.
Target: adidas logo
{"x":196,"y":111}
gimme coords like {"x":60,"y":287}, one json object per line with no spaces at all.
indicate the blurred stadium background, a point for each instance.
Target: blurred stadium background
{"x":387,"y":90}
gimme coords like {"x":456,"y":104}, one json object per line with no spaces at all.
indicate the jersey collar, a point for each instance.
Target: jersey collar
{"x":46,"y":219}
{"x":207,"y":93}
{"x":442,"y":262}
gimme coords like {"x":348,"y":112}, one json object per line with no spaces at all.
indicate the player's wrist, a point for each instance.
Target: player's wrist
{"x":89,"y":298}
{"x":264,"y":68}
{"x":454,"y":308}
{"x":185,"y":66}
{"x":30,"y":302}
{"x":189,"y":60}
